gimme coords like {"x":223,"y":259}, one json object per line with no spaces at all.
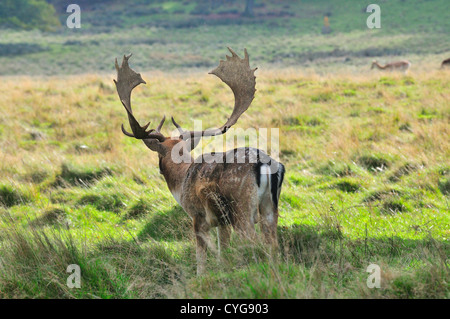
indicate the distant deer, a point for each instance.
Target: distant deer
{"x":239,"y":192}
{"x":403,"y":65}
{"x":445,"y":63}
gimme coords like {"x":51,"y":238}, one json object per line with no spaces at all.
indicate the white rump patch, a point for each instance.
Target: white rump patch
{"x":264,"y":185}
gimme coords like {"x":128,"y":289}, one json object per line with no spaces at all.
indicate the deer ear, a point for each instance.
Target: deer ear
{"x":155,"y":146}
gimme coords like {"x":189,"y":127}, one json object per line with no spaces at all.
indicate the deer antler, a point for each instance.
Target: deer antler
{"x":236,"y":73}
{"x":127,"y":80}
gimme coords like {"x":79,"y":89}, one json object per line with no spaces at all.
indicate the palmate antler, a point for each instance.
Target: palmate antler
{"x":236,"y":73}
{"x":127,"y":80}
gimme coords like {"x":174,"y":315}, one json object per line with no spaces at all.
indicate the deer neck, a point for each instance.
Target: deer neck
{"x":174,"y":173}
{"x":379,"y":66}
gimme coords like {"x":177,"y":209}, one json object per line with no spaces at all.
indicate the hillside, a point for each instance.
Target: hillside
{"x":173,"y":35}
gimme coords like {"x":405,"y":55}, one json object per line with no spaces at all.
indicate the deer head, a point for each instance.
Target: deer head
{"x":374,"y":63}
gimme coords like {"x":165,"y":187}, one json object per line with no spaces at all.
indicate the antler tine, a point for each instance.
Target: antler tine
{"x":190,"y":134}
{"x":180,"y":129}
{"x":186,"y":135}
{"x":127,"y":80}
{"x":236,"y":73}
{"x":158,"y":129}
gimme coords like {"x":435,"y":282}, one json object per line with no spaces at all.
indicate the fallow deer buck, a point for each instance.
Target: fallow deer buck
{"x":239,"y":191}
{"x":403,"y":65}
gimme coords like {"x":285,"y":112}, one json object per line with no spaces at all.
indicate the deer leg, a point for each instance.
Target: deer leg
{"x":269,"y":221}
{"x":224,"y":234}
{"x":201,"y":230}
{"x":244,"y":223}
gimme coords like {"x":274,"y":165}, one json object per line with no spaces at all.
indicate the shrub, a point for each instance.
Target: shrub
{"x":381,"y":194}
{"x":174,"y":224}
{"x":75,"y":176}
{"x":391,"y":205}
{"x":373,"y":162}
{"x":347,"y":186}
{"x":403,"y":170}
{"x":444,"y":186}
{"x":10,"y":196}
{"x":138,"y":209}
{"x":51,"y":216}
{"x":103,"y":201}
{"x":335,"y":169}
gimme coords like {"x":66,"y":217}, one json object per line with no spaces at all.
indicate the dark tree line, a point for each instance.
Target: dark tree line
{"x":41,"y":14}
{"x":28,"y":14}
{"x":249,"y":4}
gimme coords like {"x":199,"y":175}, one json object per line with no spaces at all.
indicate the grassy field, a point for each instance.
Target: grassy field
{"x":366,"y":153}
{"x":368,"y":181}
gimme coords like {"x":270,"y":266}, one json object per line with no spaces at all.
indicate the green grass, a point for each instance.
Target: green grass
{"x":358,"y":190}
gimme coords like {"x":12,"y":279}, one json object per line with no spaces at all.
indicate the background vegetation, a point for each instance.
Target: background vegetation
{"x":368,"y":175}
{"x":180,"y":36}
{"x":28,"y":14}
